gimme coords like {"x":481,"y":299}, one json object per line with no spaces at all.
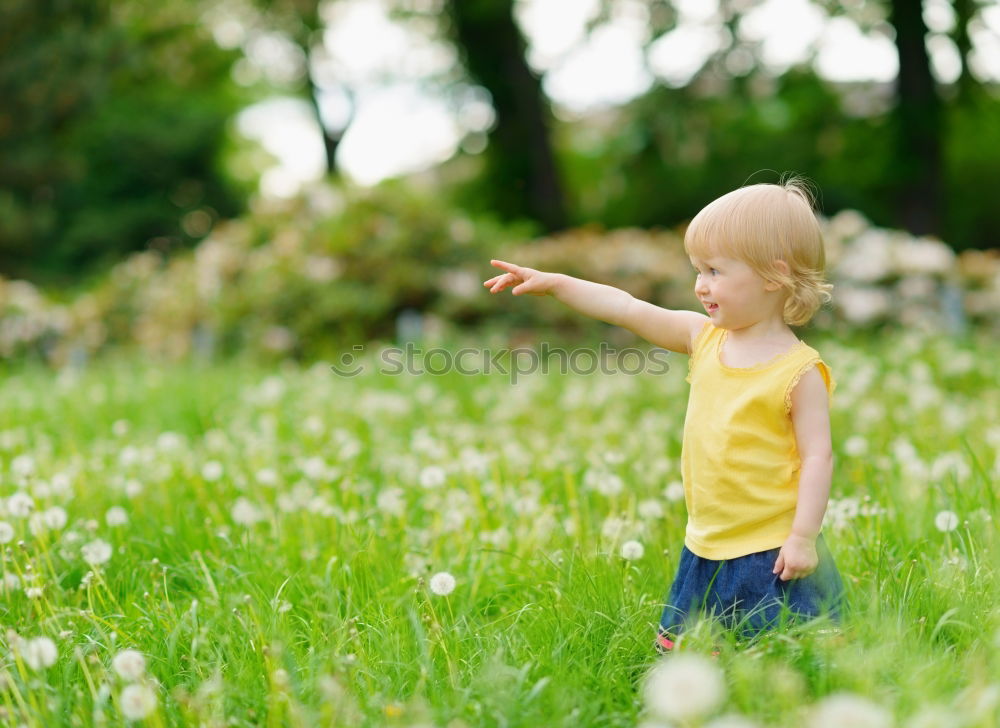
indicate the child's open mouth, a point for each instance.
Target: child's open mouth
{"x":712,"y":307}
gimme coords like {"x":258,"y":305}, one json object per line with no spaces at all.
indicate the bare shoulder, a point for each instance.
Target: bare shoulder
{"x":809,"y":393}
{"x":811,"y":415}
{"x":697,"y":322}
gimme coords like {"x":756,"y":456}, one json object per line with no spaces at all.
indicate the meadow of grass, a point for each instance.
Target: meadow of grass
{"x":235,"y":545}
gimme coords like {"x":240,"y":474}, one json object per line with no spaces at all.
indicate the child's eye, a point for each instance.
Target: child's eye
{"x":713,"y":270}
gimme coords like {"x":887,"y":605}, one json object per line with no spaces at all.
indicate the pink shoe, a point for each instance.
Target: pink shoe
{"x":664,"y":644}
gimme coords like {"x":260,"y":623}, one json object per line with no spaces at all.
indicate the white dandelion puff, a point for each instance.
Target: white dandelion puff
{"x":22,"y":466}
{"x":314,"y":468}
{"x":935,"y":716}
{"x":731,"y":720}
{"x":650,"y":509}
{"x":632,"y":550}
{"x":606,"y":483}
{"x":856,"y":445}
{"x":212,"y":470}
{"x":845,"y":709}
{"x":684,"y":687}
{"x":442,"y":583}
{"x":61,"y":483}
{"x":433,"y":476}
{"x":613,"y":528}
{"x":391,"y":502}
{"x":20,"y":505}
{"x":54,"y":518}
{"x":38,"y":653}
{"x":169,"y":442}
{"x":129,"y":455}
{"x":36,"y":524}
{"x":946,"y":521}
{"x":268,"y":477}
{"x":6,"y":532}
{"x":137,"y":702}
{"x":96,"y":552}
{"x":116,"y":516}
{"x":129,"y":664}
{"x":246,"y":513}
{"x":674,"y":491}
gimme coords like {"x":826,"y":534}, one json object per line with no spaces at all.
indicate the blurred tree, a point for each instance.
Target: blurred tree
{"x":522,"y":179}
{"x":301,"y":22}
{"x":112,"y":126}
{"x":919,"y":123}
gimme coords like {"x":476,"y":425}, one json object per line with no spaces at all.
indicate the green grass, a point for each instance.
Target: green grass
{"x":319,"y":613}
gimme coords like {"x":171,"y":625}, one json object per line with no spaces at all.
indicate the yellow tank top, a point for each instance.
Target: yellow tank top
{"x":739,"y":460}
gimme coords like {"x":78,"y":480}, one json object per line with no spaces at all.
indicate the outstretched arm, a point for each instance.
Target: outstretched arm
{"x":673,"y":330}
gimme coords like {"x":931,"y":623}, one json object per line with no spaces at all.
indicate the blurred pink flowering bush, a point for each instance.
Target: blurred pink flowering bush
{"x":306,"y":277}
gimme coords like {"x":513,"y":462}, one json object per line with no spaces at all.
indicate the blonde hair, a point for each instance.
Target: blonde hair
{"x":759,"y":224}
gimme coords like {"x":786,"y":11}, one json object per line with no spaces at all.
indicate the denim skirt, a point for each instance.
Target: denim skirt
{"x":747,"y":597}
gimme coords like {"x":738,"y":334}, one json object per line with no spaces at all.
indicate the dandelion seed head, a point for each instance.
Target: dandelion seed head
{"x":129,"y":664}
{"x":6,"y":532}
{"x":268,"y":477}
{"x":935,"y":716}
{"x":433,"y":476}
{"x":846,"y":709}
{"x":38,"y":653}
{"x":116,"y":516}
{"x":137,"y":702}
{"x":246,"y":513}
{"x":169,"y":442}
{"x":391,"y":501}
{"x":674,"y":491}
{"x":314,"y":468}
{"x":683,"y":687}
{"x":856,"y":445}
{"x":606,"y":483}
{"x":96,"y":552}
{"x":442,"y":583}
{"x":54,"y":518}
{"x":20,"y":505}
{"x":946,"y":521}
{"x":632,"y":550}
{"x":212,"y":470}
{"x":650,"y":509}
{"x":731,"y":721}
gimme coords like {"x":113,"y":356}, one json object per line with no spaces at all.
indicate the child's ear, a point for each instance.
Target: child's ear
{"x":782,"y":268}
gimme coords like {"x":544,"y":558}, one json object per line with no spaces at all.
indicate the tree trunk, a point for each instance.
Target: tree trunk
{"x":331,"y":139}
{"x":919,"y":123}
{"x":522,"y":169}
{"x":964,"y":10}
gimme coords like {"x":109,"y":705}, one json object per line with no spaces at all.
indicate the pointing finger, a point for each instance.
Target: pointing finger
{"x":509,"y":267}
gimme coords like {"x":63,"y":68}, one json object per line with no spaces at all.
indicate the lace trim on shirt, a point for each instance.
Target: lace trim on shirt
{"x":828,"y":381}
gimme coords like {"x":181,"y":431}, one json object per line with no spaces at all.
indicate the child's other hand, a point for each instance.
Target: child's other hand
{"x":797,"y":558}
{"x":524,"y":280}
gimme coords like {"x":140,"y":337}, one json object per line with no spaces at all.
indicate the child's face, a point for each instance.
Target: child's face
{"x":733,"y":294}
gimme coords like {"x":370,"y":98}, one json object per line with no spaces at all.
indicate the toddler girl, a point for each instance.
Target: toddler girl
{"x":756,"y":458}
